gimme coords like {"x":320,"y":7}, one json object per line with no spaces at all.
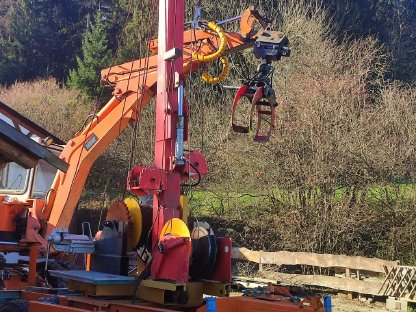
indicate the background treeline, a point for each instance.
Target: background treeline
{"x":338,"y":174}
{"x":43,"y":38}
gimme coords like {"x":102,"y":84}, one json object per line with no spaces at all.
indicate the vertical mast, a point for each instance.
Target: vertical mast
{"x":170,"y":66}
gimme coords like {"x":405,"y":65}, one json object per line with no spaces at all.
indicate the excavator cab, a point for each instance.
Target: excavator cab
{"x":23,"y":183}
{"x":29,"y":160}
{"x":19,"y":187}
{"x":29,"y":157}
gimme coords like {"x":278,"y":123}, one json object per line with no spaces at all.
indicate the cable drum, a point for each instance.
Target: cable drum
{"x":204,"y":250}
{"x":146,"y":207}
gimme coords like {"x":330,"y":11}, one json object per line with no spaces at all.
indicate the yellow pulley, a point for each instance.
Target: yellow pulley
{"x":225,"y":69}
{"x":221,"y":48}
{"x":175,"y":227}
{"x":135,"y":223}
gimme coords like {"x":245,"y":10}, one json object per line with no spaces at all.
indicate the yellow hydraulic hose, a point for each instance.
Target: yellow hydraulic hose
{"x":217,"y":54}
{"x":225,"y":69}
{"x":213,"y":56}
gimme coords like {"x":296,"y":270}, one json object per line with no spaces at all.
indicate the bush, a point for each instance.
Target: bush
{"x":344,"y":142}
{"x":59,"y":110}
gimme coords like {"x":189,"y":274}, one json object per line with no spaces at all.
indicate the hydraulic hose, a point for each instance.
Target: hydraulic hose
{"x":225,"y":69}
{"x":221,"y":48}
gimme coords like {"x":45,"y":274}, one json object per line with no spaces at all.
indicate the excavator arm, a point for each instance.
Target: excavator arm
{"x":134,"y":86}
{"x":82,"y":151}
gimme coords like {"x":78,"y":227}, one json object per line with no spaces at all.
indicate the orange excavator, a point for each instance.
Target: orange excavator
{"x":178,"y":262}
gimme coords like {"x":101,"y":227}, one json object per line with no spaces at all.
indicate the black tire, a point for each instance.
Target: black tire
{"x":15,"y":306}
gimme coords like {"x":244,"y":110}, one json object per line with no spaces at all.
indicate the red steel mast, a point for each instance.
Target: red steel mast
{"x":169,"y":115}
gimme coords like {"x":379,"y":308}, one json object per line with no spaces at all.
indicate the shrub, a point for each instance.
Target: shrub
{"x":59,"y":110}
{"x":344,"y":140}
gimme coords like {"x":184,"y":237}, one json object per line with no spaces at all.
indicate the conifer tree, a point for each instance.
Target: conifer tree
{"x":39,"y":38}
{"x":140,"y":18}
{"x":95,"y":56}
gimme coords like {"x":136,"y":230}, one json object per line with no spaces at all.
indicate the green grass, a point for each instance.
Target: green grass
{"x":219,"y":202}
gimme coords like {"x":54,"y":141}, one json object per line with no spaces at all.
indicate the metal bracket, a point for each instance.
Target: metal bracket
{"x":173,"y":54}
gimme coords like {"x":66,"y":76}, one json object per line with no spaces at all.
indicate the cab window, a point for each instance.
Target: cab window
{"x":44,"y":175}
{"x":13,"y":178}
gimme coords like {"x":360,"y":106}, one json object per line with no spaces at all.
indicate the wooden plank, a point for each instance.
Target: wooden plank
{"x":350,"y":295}
{"x":368,"y":287}
{"x":312,"y":259}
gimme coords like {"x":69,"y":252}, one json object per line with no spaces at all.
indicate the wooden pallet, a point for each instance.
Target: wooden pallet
{"x":400,"y":282}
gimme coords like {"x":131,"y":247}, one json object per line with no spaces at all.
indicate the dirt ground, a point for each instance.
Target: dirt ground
{"x":342,"y":304}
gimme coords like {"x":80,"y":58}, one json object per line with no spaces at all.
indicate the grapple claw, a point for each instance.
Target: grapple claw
{"x":270,"y":46}
{"x":238,"y":128}
{"x":263,"y":102}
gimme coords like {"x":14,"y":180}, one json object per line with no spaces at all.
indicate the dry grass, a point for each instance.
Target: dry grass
{"x":59,"y":110}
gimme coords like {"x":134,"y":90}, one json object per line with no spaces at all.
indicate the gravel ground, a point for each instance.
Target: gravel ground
{"x":341,"y":304}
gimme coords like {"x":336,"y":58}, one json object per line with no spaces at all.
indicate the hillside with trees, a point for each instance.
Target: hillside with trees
{"x":44,"y":38}
{"x":338,"y":173}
